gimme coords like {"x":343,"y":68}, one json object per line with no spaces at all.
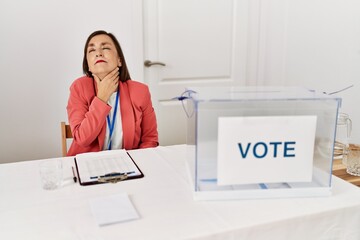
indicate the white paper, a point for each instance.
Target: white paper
{"x":113,"y":209}
{"x":267,"y":163}
{"x":96,"y":164}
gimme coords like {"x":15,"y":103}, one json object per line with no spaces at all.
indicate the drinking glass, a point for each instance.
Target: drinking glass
{"x":51,"y":174}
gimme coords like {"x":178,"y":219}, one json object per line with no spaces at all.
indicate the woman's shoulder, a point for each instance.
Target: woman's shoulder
{"x":84,"y":87}
{"x":83,"y":80}
{"x":139,"y":93}
{"x":83,"y":83}
{"x":136,"y":86}
{"x":134,"y":83}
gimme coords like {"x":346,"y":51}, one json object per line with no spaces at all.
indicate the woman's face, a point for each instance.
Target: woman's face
{"x":102,"y":56}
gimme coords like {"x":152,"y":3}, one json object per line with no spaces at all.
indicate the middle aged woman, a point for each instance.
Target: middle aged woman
{"x":106,"y":109}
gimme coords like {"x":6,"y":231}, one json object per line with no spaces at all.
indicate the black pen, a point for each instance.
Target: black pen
{"x":75,"y":178}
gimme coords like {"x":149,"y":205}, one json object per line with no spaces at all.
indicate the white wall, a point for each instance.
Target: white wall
{"x":323,"y":50}
{"x":311,"y":43}
{"x":41,"y":50}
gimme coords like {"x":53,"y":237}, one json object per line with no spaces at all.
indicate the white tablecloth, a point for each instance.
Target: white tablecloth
{"x":164,"y":201}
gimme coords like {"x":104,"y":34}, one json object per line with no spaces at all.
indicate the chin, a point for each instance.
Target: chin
{"x":101,"y":73}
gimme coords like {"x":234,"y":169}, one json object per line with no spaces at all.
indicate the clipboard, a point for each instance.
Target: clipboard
{"x":110,"y":166}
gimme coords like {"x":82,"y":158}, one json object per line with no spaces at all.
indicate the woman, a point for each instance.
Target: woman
{"x":106,"y":109}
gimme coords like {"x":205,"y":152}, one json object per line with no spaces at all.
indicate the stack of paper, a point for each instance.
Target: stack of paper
{"x":113,"y":209}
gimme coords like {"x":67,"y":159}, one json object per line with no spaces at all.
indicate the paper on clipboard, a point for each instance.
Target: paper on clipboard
{"x":97,"y":165}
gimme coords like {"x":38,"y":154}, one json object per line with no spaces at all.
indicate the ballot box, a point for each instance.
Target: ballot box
{"x":259,"y":142}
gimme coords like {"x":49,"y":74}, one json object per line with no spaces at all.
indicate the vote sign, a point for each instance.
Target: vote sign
{"x":266,"y":149}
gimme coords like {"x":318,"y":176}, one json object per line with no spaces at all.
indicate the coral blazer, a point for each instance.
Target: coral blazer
{"x":87,"y":116}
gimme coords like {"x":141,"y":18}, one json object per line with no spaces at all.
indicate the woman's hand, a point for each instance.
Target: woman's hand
{"x":108,"y":85}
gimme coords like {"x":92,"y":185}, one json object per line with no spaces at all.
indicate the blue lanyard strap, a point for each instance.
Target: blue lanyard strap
{"x":111,"y":125}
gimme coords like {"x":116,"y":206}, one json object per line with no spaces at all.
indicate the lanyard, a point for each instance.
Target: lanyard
{"x":111,"y":125}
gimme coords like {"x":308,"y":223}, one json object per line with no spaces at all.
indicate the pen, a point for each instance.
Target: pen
{"x":74,"y":177}
{"x":112,"y":175}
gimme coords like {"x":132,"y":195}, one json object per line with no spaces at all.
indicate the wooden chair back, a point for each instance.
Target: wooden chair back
{"x":65,"y":134}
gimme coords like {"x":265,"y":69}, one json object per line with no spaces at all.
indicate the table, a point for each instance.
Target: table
{"x":164,"y":201}
{"x":339,"y":170}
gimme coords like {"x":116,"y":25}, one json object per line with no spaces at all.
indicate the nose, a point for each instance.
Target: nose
{"x":99,"y":53}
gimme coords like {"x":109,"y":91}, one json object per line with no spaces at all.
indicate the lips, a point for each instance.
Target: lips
{"x":100,"y":61}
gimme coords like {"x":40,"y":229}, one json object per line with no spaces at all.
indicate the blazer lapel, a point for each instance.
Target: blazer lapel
{"x":101,"y":137}
{"x":127,"y":116}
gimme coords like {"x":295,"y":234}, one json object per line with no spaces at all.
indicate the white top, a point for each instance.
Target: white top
{"x":117,"y":136}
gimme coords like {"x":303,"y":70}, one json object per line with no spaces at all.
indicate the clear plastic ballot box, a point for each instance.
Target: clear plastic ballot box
{"x":259,"y":142}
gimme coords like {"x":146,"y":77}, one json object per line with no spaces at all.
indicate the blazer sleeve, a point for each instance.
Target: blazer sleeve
{"x":87,"y":113}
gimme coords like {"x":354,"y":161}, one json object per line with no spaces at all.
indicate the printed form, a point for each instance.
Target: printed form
{"x":96,"y":165}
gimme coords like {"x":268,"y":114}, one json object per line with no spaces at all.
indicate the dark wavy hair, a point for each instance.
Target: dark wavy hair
{"x":124,"y":74}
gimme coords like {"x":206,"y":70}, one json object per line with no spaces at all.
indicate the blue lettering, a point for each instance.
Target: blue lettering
{"x":275,"y":147}
{"x":256,"y":147}
{"x":246,"y":151}
{"x":288,"y":148}
{"x":260,"y":149}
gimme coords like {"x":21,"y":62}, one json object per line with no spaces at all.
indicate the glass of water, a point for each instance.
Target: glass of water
{"x":51,"y":173}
